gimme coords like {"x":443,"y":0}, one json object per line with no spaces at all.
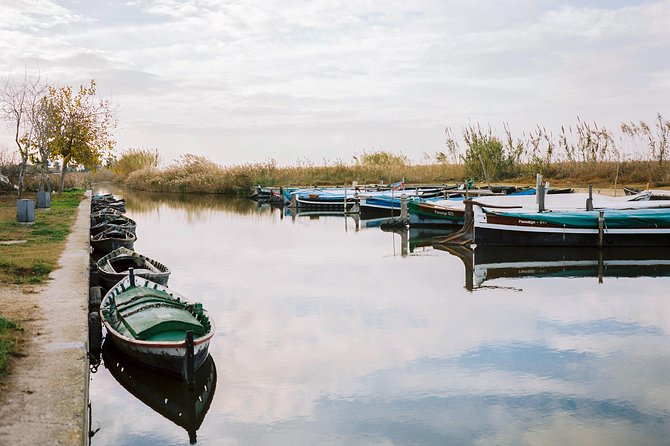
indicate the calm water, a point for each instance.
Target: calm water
{"x":333,"y":333}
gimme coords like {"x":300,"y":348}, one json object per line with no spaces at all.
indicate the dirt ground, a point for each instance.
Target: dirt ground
{"x":44,"y":398}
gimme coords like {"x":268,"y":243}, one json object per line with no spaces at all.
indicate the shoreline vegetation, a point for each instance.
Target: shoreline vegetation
{"x":578,"y":156}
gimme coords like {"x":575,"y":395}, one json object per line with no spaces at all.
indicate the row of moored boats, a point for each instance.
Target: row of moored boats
{"x":503,"y":215}
{"x":143,"y":317}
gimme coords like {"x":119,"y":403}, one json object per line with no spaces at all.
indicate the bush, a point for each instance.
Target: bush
{"x":487,"y":157}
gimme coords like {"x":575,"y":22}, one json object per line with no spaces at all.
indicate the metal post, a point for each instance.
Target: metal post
{"x":190,"y":358}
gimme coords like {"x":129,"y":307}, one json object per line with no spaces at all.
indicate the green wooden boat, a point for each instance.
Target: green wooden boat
{"x":153,"y":324}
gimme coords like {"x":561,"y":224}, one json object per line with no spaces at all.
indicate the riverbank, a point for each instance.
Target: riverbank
{"x":44,"y":399}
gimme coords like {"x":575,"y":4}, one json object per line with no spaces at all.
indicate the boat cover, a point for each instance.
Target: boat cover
{"x":146,"y":314}
{"x":614,"y":219}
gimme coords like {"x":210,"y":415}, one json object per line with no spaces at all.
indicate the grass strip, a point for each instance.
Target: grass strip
{"x":9,"y":332}
{"x":32,"y":261}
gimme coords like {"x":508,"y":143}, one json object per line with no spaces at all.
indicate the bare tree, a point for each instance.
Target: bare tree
{"x":17,"y":100}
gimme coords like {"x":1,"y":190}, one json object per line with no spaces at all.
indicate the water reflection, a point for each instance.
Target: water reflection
{"x":184,"y":405}
{"x":486,"y":263}
{"x":327,"y":336}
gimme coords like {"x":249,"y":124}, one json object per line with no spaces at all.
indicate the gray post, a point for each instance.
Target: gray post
{"x":131,"y":274}
{"x":540,"y":197}
{"x":404,"y":214}
{"x":589,"y":201}
{"x":538,"y":182}
{"x":404,"y":242}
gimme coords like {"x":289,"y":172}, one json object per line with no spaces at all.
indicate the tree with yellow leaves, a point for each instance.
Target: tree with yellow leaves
{"x":80,"y":127}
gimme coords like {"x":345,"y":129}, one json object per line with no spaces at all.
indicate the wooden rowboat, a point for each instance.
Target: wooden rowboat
{"x":116,"y":265}
{"x":111,"y":239}
{"x":119,"y":221}
{"x":156,"y":326}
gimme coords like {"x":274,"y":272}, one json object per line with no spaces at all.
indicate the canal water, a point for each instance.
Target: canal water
{"x":331,"y":331}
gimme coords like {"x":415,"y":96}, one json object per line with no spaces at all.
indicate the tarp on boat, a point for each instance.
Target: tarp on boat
{"x":614,"y":219}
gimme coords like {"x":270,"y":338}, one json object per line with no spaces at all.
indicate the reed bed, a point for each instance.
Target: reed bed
{"x":201,"y":176}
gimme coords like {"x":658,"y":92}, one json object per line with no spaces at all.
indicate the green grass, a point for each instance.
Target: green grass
{"x":8,"y":342}
{"x":33,"y":260}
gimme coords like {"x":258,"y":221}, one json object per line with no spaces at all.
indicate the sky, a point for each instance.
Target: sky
{"x":323,"y":81}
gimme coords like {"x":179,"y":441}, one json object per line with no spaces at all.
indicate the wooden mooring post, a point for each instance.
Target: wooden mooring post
{"x":190,"y":358}
{"x":601,"y":228}
{"x":465,"y":235}
{"x":404,"y":213}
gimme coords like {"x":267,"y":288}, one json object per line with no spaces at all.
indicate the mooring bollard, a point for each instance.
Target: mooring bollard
{"x":25,"y":210}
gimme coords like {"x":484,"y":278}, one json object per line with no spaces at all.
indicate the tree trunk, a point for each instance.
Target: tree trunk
{"x":22,"y":175}
{"x":62,"y":177}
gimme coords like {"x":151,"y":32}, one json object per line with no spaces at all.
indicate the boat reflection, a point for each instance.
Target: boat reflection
{"x":413,"y":238}
{"x":184,"y":405}
{"x":487,"y":263}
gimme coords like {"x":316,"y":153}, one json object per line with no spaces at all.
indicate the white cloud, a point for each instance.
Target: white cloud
{"x":301,"y":73}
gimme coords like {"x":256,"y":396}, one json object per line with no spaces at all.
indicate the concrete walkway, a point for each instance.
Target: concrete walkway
{"x":47,"y":397}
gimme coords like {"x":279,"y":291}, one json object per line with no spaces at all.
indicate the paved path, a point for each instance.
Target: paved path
{"x":47,"y":397}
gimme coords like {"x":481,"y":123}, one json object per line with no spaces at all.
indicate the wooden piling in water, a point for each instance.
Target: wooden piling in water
{"x":589,"y":201}
{"x":190,"y":358}
{"x":465,"y":235}
{"x":601,"y":228}
{"x":404,"y":213}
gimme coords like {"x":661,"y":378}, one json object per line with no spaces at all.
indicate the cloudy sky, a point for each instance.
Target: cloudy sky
{"x":248,"y":80}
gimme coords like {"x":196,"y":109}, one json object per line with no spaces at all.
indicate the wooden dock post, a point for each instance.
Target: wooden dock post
{"x":540,"y":197}
{"x":589,"y":201}
{"x":404,"y":214}
{"x":601,"y":228}
{"x":465,"y":235}
{"x":190,"y":358}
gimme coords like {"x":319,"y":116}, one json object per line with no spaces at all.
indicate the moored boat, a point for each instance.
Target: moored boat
{"x":116,"y":221}
{"x":605,"y":227}
{"x":157,"y":326}
{"x":111,"y":239}
{"x":116,"y":265}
